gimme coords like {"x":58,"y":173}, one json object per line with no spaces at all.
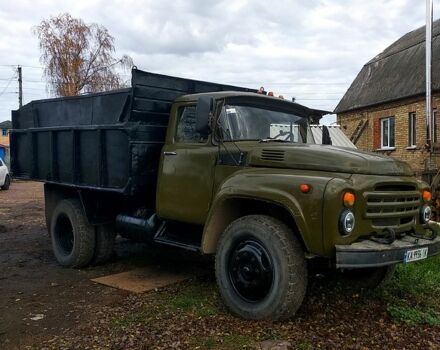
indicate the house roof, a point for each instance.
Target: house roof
{"x":7,"y":124}
{"x":396,"y":73}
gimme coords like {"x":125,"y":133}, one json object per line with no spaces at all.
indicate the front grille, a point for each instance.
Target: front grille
{"x":272,"y":154}
{"x":395,"y":187}
{"x":392,"y":206}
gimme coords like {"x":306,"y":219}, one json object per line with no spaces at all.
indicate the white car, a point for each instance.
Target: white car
{"x":5,"y":178}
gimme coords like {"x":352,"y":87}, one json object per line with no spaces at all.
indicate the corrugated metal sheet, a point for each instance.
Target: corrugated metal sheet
{"x":337,"y":135}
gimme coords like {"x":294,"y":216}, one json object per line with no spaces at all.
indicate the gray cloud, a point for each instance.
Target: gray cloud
{"x":308,"y":49}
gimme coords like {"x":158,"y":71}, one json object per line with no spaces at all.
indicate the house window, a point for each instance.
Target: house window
{"x":412,"y":129}
{"x":387,"y":132}
{"x":4,"y":132}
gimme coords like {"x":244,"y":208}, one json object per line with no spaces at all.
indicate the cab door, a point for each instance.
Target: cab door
{"x":186,"y":171}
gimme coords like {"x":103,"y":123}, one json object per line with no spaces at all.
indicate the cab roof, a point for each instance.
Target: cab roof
{"x":259,"y":100}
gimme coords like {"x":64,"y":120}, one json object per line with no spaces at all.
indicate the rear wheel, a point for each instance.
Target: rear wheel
{"x":260,"y":268}
{"x":105,"y":239}
{"x":73,"y":238}
{"x":7,"y":183}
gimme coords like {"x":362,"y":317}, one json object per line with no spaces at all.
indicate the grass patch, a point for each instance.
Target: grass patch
{"x":131,"y":318}
{"x":417,"y":282}
{"x":304,"y":346}
{"x":200,"y":298}
{"x":412,"y":294}
{"x":420,"y":278}
{"x":414,"y":316}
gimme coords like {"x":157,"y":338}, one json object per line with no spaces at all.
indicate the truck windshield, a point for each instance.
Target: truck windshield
{"x":239,"y":123}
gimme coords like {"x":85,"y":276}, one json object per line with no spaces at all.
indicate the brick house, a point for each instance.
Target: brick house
{"x":384,"y":108}
{"x":4,"y":132}
{"x":4,"y":140}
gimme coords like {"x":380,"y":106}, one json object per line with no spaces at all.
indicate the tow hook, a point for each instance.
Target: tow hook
{"x":434,"y":227}
{"x":387,"y":236}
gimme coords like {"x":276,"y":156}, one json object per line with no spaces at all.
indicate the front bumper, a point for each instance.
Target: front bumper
{"x":372,"y":254}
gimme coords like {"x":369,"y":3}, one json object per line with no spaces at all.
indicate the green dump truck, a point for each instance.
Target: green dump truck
{"x":223,"y":171}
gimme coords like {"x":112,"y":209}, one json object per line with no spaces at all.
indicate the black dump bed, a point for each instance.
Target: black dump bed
{"x":108,"y":141}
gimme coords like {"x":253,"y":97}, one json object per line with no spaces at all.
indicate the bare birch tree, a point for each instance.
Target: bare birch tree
{"x":79,"y":57}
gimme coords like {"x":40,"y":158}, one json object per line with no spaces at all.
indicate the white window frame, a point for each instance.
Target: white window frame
{"x":382,"y":122}
{"x":412,"y":130}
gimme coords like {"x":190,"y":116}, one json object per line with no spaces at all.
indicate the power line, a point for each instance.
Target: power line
{"x":284,"y":83}
{"x":35,"y":81}
{"x":14,"y":66}
{"x":9,"y":82}
{"x":37,"y":89}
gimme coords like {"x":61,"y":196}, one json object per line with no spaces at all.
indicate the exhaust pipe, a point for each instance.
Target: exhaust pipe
{"x":138,"y":226}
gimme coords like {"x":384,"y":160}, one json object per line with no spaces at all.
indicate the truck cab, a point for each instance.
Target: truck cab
{"x":256,"y":155}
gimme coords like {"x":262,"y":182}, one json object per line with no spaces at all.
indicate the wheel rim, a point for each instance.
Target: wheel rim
{"x":250,"y":270}
{"x":64,"y":234}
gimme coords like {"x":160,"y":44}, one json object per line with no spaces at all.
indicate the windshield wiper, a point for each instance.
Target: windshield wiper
{"x":273,"y":140}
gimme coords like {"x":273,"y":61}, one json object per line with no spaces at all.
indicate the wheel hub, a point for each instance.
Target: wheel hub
{"x":251,"y":270}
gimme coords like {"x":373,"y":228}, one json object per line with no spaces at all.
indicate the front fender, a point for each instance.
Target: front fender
{"x":275,"y":186}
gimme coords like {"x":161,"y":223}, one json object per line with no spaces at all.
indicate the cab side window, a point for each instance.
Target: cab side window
{"x":186,"y":126}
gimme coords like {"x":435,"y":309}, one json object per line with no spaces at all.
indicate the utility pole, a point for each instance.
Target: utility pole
{"x":20,"y":87}
{"x":429,"y":122}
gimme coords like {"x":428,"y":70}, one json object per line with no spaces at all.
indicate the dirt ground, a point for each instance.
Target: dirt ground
{"x":45,"y":306}
{"x":39,"y":298}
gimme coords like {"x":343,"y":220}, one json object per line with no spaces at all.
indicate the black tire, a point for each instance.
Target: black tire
{"x":73,"y":238}
{"x":104,"y":244}
{"x":260,"y":268}
{"x":7,"y":183}
{"x":370,"y":278}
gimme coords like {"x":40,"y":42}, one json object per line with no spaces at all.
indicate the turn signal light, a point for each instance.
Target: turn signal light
{"x":348,"y":198}
{"x":426,"y":195}
{"x":304,"y":188}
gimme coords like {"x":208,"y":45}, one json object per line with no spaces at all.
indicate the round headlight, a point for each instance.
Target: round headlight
{"x":346,"y":222}
{"x":425,"y":214}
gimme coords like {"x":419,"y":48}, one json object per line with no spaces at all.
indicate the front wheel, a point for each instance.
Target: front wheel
{"x":260,"y":268}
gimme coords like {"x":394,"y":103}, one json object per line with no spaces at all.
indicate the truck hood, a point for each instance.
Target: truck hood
{"x":326,"y":158}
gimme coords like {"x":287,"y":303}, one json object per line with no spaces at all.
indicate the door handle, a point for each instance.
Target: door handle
{"x":169,"y":153}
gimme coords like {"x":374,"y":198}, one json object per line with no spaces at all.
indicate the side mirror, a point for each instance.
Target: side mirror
{"x":326,"y":139}
{"x":205,"y":107}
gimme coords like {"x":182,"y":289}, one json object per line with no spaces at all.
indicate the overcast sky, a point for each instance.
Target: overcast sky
{"x":311,"y":50}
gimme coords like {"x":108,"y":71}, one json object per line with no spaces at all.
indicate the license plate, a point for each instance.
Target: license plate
{"x":416,"y":254}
